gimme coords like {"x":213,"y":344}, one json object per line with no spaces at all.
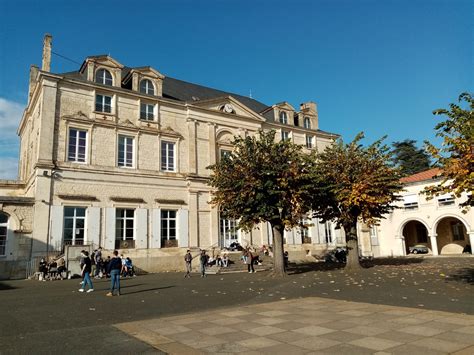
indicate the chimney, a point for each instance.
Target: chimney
{"x":46,"y":66}
{"x":309,"y":106}
{"x":33,"y":75}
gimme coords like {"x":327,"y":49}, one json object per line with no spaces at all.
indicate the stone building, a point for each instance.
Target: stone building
{"x":116,"y":156}
{"x":438,"y":223}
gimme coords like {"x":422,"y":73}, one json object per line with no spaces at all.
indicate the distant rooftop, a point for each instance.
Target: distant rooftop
{"x":422,"y":176}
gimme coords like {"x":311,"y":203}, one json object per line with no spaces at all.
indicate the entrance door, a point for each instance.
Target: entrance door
{"x":228,"y":232}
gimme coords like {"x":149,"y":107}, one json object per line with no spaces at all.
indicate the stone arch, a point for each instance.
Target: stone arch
{"x":415,"y":231}
{"x":452,"y":233}
{"x":224,"y":136}
{"x":13,"y":220}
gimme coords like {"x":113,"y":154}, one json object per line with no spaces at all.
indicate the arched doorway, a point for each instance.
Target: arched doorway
{"x":3,"y":233}
{"x":415,"y":233}
{"x":451,"y":235}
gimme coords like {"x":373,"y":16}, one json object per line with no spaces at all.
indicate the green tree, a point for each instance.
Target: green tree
{"x":264,"y":181}
{"x":355,"y":183}
{"x":456,"y":155}
{"x":409,"y":158}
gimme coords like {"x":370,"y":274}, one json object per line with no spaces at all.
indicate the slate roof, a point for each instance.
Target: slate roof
{"x":180,"y":90}
{"x":422,"y":176}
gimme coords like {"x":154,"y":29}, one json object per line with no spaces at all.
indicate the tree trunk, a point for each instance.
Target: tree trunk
{"x":278,"y":260}
{"x":352,"y":247}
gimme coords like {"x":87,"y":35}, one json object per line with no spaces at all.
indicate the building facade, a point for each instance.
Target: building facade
{"x":438,"y":224}
{"x":117,"y":157}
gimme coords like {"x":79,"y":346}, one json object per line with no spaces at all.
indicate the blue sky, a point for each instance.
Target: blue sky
{"x":376,"y":66}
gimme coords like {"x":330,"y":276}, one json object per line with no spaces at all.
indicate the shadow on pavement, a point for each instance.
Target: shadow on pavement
{"x":463,"y":275}
{"x":148,"y":289}
{"x":4,"y":286}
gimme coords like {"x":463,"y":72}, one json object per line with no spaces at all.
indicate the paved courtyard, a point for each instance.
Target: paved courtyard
{"x":424,"y":303}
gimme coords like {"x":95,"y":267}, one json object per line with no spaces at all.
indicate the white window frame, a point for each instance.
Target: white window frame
{"x":76,"y":147}
{"x":147,"y":87}
{"x":283,"y":116}
{"x":228,"y":228}
{"x":124,"y":163}
{"x":446,"y":200}
{"x":328,"y":233}
{"x":167,"y":218}
{"x":374,"y":237}
{"x":309,"y":141}
{"x":125,"y":219}
{"x":4,"y":239}
{"x":103,"y":105}
{"x":410,"y":202}
{"x":307,"y":122}
{"x":104,"y":80}
{"x":285,"y":133}
{"x":164,"y":165}
{"x":75,"y":219}
{"x":147,"y":105}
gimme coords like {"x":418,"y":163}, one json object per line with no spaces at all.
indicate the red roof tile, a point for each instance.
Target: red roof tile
{"x":421,"y":176}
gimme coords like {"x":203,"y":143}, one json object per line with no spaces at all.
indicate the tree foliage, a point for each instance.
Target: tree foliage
{"x":409,"y":158}
{"x":456,"y":155}
{"x":355,"y":183}
{"x":264,"y":181}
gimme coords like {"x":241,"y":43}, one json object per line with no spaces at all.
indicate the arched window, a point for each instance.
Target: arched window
{"x":307,"y":123}
{"x":283,"y":117}
{"x":3,"y":233}
{"x":103,"y":76}
{"x":146,"y":87}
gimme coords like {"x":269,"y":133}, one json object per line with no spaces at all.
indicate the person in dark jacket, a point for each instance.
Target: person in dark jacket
{"x":114,"y":269}
{"x":86,"y":268}
{"x":203,"y":258}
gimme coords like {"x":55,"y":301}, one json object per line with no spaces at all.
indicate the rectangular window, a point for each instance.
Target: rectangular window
{"x":167,"y":156}
{"x":3,"y":239}
{"x":74,"y":225}
{"x":125,"y":151}
{"x":305,"y":238}
{"x":224,"y":153}
{"x":309,"y":141}
{"x":168,"y":228}
{"x":124,"y":228}
{"x":374,"y":239}
{"x":147,"y":112}
{"x":228,"y":232}
{"x":103,"y":103}
{"x":285,"y":135}
{"x":445,"y":200}
{"x":77,"y":145}
{"x":328,"y":232}
{"x":458,"y":231}
{"x":410,"y":202}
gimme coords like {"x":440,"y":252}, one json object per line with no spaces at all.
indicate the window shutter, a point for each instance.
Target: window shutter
{"x":156,"y":228}
{"x":141,"y":228}
{"x":288,"y":235}
{"x":56,"y":234}
{"x":298,"y":238}
{"x":410,"y":199}
{"x":109,"y":240}
{"x":93,"y":226}
{"x":183,"y":232}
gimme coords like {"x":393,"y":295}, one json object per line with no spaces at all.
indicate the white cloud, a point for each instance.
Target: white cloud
{"x":8,"y":168}
{"x":10,"y":116}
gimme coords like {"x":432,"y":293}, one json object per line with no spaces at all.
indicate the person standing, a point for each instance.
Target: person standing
{"x":114,"y":269}
{"x":203,"y":259}
{"x":86,"y":268}
{"x":249,"y":261}
{"x":188,"y":258}
{"x":98,"y":262}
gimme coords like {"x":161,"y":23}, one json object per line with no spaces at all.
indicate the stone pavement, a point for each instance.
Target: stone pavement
{"x":310,"y":325}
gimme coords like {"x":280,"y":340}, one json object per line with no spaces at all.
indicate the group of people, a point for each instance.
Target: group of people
{"x":113,"y":267}
{"x":249,"y":257}
{"x":101,"y":265}
{"x":52,"y":270}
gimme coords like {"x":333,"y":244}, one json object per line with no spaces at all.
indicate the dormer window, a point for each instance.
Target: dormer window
{"x":283,"y":117}
{"x":103,"y":76}
{"x":307,"y":123}
{"x":147,"y":87}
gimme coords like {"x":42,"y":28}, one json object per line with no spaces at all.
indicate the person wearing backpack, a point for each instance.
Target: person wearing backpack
{"x":188,"y":258}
